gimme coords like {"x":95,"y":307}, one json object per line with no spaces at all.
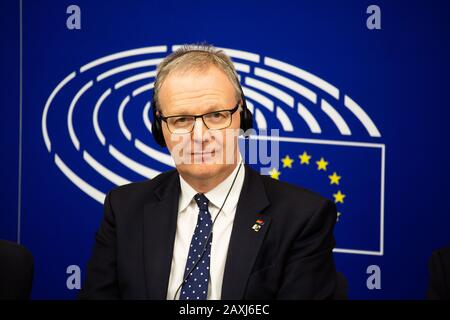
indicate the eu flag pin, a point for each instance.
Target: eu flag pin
{"x":258,"y":224}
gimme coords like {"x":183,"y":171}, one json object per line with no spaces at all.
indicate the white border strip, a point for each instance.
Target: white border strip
{"x":382,"y":177}
{"x":19,"y":184}
{"x":317,"y":141}
{"x":365,"y":252}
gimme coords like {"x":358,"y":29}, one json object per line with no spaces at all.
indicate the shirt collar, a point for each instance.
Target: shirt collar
{"x":187,"y":194}
{"x":217,"y":195}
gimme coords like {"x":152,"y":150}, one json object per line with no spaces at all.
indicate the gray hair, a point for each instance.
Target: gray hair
{"x":195,"y":57}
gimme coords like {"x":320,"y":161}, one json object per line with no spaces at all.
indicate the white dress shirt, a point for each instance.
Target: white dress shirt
{"x":186,"y":222}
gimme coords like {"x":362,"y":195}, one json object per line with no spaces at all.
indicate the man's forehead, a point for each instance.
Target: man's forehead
{"x":196,"y":76}
{"x":205,"y":91}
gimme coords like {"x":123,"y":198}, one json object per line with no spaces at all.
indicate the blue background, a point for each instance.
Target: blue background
{"x":399,"y":74}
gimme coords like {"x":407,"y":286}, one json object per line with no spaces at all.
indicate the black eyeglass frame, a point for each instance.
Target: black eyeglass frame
{"x":232,"y":111}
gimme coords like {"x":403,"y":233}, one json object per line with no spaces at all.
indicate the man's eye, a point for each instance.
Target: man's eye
{"x":181,"y":120}
{"x":217,"y":115}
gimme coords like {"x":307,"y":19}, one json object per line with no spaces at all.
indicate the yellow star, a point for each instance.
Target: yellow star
{"x":287,"y":161}
{"x":322,"y":165}
{"x":274,"y":173}
{"x":339,"y":197}
{"x":334,"y":179}
{"x":304,"y":158}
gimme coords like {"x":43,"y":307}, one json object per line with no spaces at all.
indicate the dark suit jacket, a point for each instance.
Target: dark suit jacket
{"x":16,"y":271}
{"x":439,"y":281}
{"x":290,"y":257}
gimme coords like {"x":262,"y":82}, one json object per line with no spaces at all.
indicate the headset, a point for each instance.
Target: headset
{"x":246,"y":118}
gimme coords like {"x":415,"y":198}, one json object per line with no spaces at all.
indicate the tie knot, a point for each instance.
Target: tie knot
{"x":202,"y":201}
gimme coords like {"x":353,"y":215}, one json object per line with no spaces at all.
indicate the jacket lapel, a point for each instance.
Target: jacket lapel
{"x":245,"y":242}
{"x":160,"y":222}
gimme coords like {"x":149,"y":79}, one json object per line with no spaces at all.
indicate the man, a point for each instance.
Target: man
{"x":213,"y":228}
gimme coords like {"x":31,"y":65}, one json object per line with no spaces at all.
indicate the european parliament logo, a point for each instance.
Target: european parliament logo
{"x":96,"y":127}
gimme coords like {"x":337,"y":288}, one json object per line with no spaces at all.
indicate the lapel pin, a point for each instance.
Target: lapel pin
{"x":258,"y":224}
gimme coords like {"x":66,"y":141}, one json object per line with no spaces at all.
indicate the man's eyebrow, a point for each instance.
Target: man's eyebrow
{"x":210,"y":108}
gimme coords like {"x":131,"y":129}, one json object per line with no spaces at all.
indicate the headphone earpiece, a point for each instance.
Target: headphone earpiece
{"x":157,"y":126}
{"x":246,"y":116}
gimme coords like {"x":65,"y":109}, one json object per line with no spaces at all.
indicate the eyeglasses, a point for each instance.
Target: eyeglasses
{"x":215,"y":120}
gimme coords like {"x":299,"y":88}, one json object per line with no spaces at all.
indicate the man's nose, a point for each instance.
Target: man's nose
{"x":200,"y":131}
